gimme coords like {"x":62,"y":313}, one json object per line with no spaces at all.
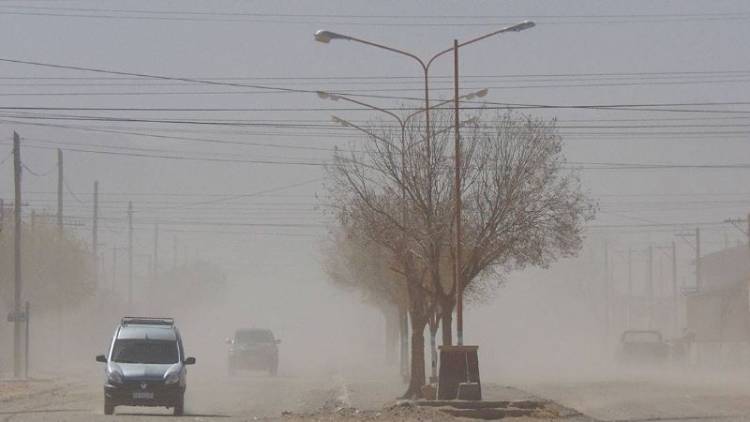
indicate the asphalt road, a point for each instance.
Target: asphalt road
{"x":245,"y":397}
{"x":663,"y":396}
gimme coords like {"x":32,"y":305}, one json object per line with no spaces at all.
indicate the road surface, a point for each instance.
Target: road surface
{"x":250,"y":396}
{"x":653,"y":396}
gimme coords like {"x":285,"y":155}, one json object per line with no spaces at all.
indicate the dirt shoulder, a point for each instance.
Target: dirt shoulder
{"x":19,"y":389}
{"x":501,"y":402}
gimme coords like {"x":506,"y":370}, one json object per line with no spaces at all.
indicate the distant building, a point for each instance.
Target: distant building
{"x":718,"y":312}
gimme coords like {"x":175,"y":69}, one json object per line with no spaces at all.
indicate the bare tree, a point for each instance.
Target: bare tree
{"x":360,"y":265}
{"x":522,"y":206}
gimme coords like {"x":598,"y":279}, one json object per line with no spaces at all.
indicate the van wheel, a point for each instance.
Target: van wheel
{"x":109,"y":408}
{"x":179,"y":406}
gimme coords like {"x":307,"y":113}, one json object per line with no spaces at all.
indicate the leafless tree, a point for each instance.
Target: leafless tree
{"x":522,"y":206}
{"x":362,"y":266}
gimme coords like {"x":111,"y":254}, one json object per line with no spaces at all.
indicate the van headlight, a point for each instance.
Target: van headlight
{"x":114,"y":377}
{"x":172,"y":378}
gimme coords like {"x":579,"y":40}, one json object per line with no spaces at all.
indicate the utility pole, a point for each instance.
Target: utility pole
{"x":606,"y":295}
{"x":95,"y":222}
{"x":95,"y":230}
{"x":698,"y":259}
{"x":59,"y":191}
{"x":130,"y":255}
{"x":156,"y":252}
{"x":114,"y":267}
{"x":17,"y":285}
{"x":150,"y":267}
{"x":675,"y":297}
{"x":174,"y":252}
{"x":650,"y":290}
{"x":630,"y":286}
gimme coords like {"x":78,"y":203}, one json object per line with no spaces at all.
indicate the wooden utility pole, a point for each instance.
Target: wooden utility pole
{"x":59,"y":191}
{"x":650,"y":290}
{"x":675,"y":292}
{"x":156,"y":252}
{"x":114,"y":267}
{"x":698,"y":281}
{"x":606,"y":294}
{"x":630,"y":287}
{"x":17,"y":280}
{"x":130,"y":255}
{"x":174,"y":252}
{"x":95,"y":230}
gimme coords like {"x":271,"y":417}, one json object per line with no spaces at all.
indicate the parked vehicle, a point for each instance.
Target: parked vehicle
{"x":146,"y":365}
{"x":253,"y":349}
{"x":643,"y":347}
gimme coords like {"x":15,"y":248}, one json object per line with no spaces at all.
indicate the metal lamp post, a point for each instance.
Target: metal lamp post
{"x":325,"y":37}
{"x":458,"y":370}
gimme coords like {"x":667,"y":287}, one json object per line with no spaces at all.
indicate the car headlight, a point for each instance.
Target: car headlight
{"x":114,"y":377}
{"x":172,"y":378}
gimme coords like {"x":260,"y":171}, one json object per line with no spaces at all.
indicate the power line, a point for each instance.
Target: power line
{"x":186,"y":158}
{"x":373,"y":16}
{"x":70,"y":191}
{"x":245,"y":195}
{"x":38,"y":174}
{"x":183,"y":138}
{"x":7,"y":157}
{"x":419,"y":79}
{"x":285,"y":18}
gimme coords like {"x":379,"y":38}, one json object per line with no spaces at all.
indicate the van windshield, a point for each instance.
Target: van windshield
{"x":253,"y":336}
{"x":145,"y":351}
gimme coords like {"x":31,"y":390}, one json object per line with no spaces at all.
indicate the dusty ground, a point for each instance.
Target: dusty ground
{"x":651,"y":396}
{"x":248,"y":397}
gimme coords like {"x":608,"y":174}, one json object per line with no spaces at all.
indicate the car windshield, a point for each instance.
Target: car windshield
{"x":145,"y":351}
{"x":254,"y":336}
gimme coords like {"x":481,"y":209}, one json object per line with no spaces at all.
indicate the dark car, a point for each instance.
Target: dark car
{"x":146,"y":365}
{"x":643,"y":347}
{"x":253,"y":349}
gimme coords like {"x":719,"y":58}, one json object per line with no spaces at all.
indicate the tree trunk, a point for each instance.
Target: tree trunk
{"x":447,"y":323}
{"x":391,"y":335}
{"x":433,"y":347}
{"x":403,"y":325}
{"x":417,"y":379}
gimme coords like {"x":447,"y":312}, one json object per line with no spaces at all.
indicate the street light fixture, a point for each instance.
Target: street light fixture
{"x":325,"y":37}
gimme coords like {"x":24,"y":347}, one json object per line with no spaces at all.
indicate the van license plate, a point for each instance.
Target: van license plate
{"x":143,"y":395}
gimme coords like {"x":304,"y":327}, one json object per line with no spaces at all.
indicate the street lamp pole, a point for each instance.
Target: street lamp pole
{"x":447,"y":388}
{"x":457,"y":273}
{"x":326,"y":37}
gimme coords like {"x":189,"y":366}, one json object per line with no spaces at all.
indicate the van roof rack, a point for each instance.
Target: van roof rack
{"x":146,"y":321}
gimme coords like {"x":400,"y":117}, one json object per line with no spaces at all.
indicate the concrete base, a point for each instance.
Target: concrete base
{"x":469,"y":391}
{"x":459,"y":365}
